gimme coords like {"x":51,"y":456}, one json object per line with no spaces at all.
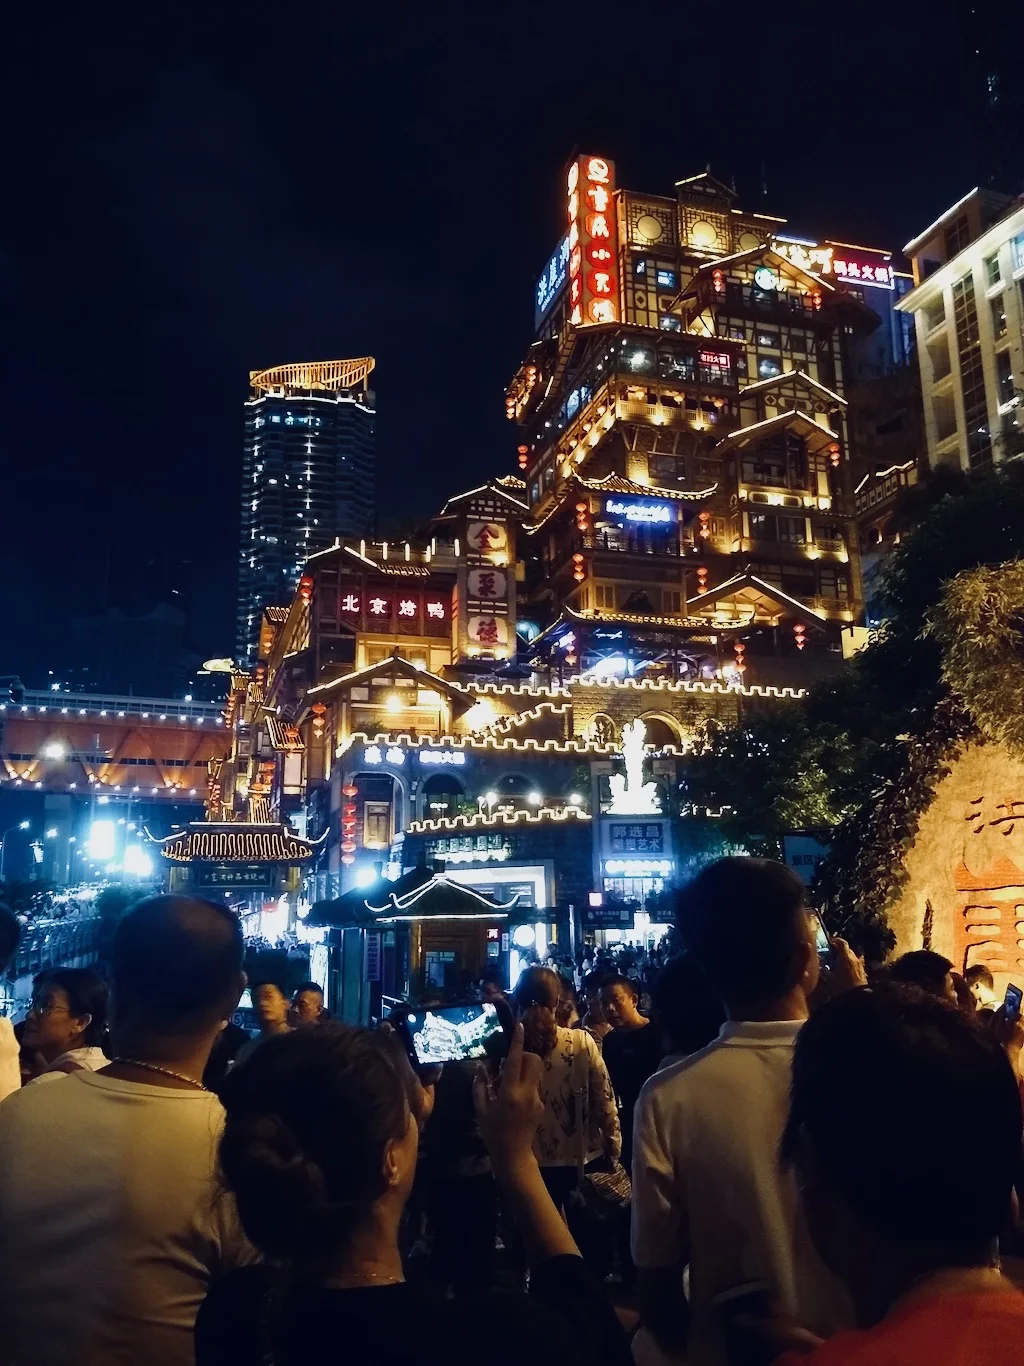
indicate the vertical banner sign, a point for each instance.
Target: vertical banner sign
{"x":593,"y":243}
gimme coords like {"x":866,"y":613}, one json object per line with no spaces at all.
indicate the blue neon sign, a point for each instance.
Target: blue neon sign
{"x":644,"y":510}
{"x":551,"y":282}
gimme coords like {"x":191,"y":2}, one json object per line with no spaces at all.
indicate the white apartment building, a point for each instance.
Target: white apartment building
{"x":968,"y":307}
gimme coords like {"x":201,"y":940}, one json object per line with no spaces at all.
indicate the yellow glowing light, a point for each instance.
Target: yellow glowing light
{"x":393,"y":702}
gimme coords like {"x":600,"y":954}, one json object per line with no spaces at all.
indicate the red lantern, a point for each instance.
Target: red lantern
{"x":578,"y":572}
{"x":702,"y":578}
{"x":704,"y":518}
{"x":524,"y":456}
{"x":718,"y":281}
{"x":740,"y":650}
{"x":349,"y":791}
{"x":799,"y":632}
{"x":348,"y":847}
{"x":347,"y":858}
{"x":306,"y":588}
{"x":833,"y":454}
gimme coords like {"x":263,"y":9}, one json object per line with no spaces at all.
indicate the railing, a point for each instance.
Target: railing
{"x":151,"y":708}
{"x":56,"y":944}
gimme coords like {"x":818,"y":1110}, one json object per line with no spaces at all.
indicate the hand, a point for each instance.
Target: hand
{"x":509,"y":1112}
{"x":846,"y":971}
{"x":1010,"y":1034}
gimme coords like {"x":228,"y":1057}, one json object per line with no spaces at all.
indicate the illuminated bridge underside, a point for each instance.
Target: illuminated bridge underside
{"x":315,"y":374}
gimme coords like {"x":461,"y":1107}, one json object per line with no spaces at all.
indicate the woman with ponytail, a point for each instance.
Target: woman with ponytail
{"x":581,"y":1122}
{"x":319,"y":1150}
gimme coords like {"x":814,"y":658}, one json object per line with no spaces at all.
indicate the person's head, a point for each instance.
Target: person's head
{"x":320,"y":1141}
{"x":686,"y":1008}
{"x":270,"y":1004}
{"x":981,"y":985}
{"x":927,"y":971}
{"x":10,"y":933}
{"x":891,"y":1088}
{"x":536,"y":996}
{"x":567,"y":1014}
{"x":590,"y":990}
{"x":619,"y":998}
{"x":177,"y":972}
{"x":307,"y":1004}
{"x":745,"y":921}
{"x":68,"y":1010}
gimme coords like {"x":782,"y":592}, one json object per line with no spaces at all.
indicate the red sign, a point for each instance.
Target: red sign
{"x":593,"y":242}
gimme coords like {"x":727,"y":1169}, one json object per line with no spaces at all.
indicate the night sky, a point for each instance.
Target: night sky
{"x":192,"y":192}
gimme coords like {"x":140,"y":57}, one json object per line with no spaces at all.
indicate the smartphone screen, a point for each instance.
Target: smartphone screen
{"x":451,"y":1033}
{"x":821,"y":940}
{"x":1011,"y":1002}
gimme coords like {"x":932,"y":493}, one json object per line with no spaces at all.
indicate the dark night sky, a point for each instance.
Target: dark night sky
{"x":197,"y":190}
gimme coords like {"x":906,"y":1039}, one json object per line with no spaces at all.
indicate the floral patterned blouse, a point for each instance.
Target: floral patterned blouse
{"x":557,"y":1144}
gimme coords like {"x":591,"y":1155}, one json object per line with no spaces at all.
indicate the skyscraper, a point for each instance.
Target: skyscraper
{"x":307,"y":477}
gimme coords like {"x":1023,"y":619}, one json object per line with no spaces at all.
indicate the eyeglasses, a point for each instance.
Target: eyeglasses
{"x":46,"y":1005}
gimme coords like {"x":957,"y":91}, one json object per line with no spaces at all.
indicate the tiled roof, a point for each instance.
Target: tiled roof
{"x":616,"y":483}
{"x":235,"y":842}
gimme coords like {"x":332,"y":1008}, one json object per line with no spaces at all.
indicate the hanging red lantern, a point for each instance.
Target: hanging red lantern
{"x":833,"y":454}
{"x":704,"y":518}
{"x":348,"y":847}
{"x":578,"y":572}
{"x":524,"y":456}
{"x":740,"y":650}
{"x":702,"y":578}
{"x":349,"y":791}
{"x":718,"y":281}
{"x":799,"y":632}
{"x":348,"y":858}
{"x":306,"y":588}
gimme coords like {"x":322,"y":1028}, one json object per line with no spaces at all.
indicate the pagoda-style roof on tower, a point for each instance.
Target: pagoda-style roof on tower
{"x":389,"y":668}
{"x":748,"y":594}
{"x":236,"y":842}
{"x":765,"y":255}
{"x":617,"y":483}
{"x":495,"y":488}
{"x":332,"y":375}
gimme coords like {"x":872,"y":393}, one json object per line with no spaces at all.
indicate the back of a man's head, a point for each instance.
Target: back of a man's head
{"x":10,"y":933}
{"x":924,"y":969}
{"x":913,"y":1115}
{"x":177,"y":965}
{"x":744,"y":921}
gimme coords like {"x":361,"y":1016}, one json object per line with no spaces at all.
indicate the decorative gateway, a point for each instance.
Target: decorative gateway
{"x":631,"y":796}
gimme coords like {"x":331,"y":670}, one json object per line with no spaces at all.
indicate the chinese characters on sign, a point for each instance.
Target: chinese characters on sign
{"x":488,"y":632}
{"x":842,"y":262}
{"x":486,"y":583}
{"x":407,"y":607}
{"x":593,"y":242}
{"x":636,"y":838}
{"x":485,"y":538}
{"x":640,"y":512}
{"x":551,"y":282}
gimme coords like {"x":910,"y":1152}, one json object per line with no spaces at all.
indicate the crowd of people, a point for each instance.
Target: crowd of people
{"x":743,"y":1154}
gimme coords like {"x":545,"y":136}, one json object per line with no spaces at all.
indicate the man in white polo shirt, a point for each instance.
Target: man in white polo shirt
{"x":708,"y":1192}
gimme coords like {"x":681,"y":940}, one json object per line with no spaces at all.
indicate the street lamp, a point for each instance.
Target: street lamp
{"x":22,"y":825}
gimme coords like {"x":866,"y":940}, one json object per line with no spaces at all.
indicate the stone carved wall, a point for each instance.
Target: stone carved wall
{"x":967,"y":863}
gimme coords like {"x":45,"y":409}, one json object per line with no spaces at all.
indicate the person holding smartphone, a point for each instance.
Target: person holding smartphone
{"x":319,"y":1148}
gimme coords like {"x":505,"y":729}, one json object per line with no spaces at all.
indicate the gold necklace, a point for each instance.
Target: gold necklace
{"x":164,"y":1071}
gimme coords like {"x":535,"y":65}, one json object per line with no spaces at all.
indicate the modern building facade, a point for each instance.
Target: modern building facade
{"x":968,"y":309}
{"x":307,"y":477}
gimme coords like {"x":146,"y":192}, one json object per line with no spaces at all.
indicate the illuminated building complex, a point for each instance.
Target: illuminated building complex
{"x":968,"y":307}
{"x":684,"y":435}
{"x":307,"y":477}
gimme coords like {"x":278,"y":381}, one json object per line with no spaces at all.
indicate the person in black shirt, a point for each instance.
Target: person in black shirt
{"x":632,"y":1052}
{"x":319,"y":1149}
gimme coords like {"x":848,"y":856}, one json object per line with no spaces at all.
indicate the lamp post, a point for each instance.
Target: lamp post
{"x":21,"y":825}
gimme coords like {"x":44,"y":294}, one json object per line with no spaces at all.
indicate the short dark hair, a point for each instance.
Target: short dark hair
{"x":893,"y":1087}
{"x":921,"y":968}
{"x":616,"y":979}
{"x":10,"y":933}
{"x":302,"y":1172}
{"x":686,"y":1006}
{"x":740,"y":918}
{"x":307,"y":986}
{"x":177,"y":961}
{"x":978,"y":972}
{"x":87,"y":995}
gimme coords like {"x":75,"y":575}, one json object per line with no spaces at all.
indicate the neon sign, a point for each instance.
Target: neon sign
{"x":552,"y":281}
{"x":593,"y":242}
{"x":844,"y":263}
{"x":373,"y":755}
{"x":456,"y":757}
{"x":640,"y":512}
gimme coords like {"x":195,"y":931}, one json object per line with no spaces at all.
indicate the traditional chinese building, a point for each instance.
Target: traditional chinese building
{"x":684,"y":436}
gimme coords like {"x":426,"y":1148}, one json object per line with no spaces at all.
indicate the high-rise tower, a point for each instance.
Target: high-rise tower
{"x":307,"y":477}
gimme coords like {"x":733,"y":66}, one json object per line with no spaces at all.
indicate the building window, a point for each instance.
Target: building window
{"x":1004,"y":378}
{"x":993,"y":274}
{"x":998,"y":316}
{"x":768,"y":367}
{"x":972,"y":376}
{"x":667,"y":279}
{"x":770,"y":526}
{"x":670,"y":323}
{"x":957,"y":235}
{"x":770,"y":340}
{"x":670,"y":602}
{"x":640,"y":266}
{"x":376,"y":825}
{"x":1018,"y":252}
{"x":934,"y":314}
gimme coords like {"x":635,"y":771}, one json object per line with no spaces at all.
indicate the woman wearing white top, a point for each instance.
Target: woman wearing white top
{"x":572,"y":1060}
{"x":66,"y":1023}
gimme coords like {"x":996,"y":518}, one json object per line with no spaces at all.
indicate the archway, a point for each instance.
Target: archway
{"x":441,"y":795}
{"x":662,"y":730}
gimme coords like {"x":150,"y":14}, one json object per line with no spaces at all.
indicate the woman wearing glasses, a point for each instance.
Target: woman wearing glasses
{"x":66,"y":1023}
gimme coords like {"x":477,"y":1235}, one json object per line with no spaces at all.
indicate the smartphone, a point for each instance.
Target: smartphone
{"x":1011,"y":1002}
{"x":822,"y":941}
{"x":435,"y":1034}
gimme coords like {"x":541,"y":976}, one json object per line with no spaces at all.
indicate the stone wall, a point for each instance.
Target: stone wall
{"x":965,"y":891}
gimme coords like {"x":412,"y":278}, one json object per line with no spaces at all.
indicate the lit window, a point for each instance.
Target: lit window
{"x":670,"y":323}
{"x":667,"y":279}
{"x":1018,"y":252}
{"x":768,"y":367}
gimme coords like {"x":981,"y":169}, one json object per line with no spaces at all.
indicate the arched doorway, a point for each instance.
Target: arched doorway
{"x":440,"y":796}
{"x":662,"y":731}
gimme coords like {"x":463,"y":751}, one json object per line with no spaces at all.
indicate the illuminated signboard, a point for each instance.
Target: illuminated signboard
{"x":443,"y":756}
{"x":640,"y":511}
{"x":552,"y":281}
{"x":593,"y":243}
{"x":406,"y":606}
{"x":857,"y":265}
{"x":373,"y":754}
